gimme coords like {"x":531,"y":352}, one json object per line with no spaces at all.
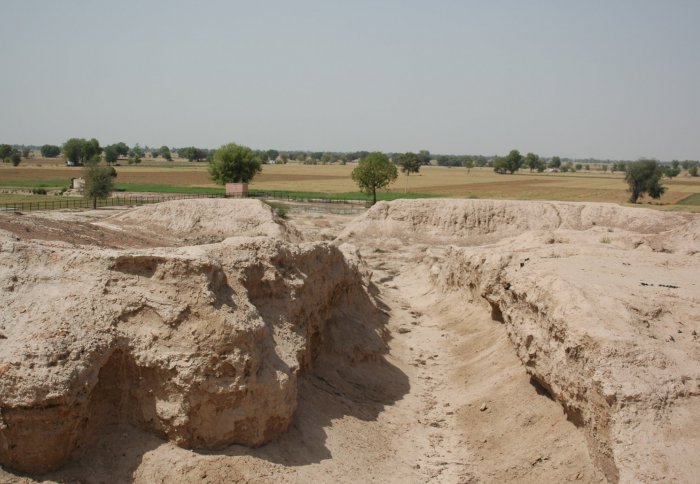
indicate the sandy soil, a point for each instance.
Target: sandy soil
{"x":451,"y":401}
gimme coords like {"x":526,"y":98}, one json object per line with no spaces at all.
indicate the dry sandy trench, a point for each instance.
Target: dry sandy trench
{"x":424,"y":341}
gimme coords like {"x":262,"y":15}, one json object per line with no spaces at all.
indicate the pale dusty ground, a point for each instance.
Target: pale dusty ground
{"x":453,"y":403}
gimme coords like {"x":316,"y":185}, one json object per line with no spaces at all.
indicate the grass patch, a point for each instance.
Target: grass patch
{"x":388,"y":196}
{"x":159,"y":188}
{"x":693,"y":199}
{"x":56,"y":183}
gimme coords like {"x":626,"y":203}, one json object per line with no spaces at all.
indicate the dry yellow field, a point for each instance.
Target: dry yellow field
{"x":440,"y":181}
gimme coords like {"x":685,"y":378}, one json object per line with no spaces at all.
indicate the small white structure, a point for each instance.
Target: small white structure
{"x":77,"y":183}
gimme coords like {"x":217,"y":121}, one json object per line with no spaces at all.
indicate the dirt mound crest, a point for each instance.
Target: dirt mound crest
{"x":205,"y":220}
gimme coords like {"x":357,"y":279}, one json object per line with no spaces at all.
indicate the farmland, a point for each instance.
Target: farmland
{"x":335,"y":181}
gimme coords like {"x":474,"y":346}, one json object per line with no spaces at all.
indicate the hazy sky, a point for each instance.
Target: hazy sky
{"x":601,"y":78}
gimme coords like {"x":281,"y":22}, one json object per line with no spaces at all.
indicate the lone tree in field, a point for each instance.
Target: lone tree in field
{"x":98,"y":180}
{"x":374,"y":172}
{"x":514,"y":161}
{"x":5,"y":151}
{"x":165,"y":153}
{"x":468,"y":164}
{"x":8,"y":154}
{"x":511,"y":163}
{"x":79,"y":151}
{"x":111,"y":154}
{"x":644,"y":176}
{"x":409,"y":163}
{"x":234,"y":163}
{"x":50,"y":151}
{"x":532,"y":161}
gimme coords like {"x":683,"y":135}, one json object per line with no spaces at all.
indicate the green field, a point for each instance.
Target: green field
{"x":693,"y":200}
{"x":334,"y":182}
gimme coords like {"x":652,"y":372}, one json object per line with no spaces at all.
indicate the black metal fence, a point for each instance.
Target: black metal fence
{"x":295,"y":198}
{"x":101,"y":202}
{"x":134,"y":200}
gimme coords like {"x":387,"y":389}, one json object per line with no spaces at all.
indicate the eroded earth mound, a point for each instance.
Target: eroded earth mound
{"x":602,"y":305}
{"x":205,"y":220}
{"x":200,"y":345}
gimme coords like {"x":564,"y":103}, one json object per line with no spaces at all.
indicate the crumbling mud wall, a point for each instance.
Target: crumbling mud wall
{"x":200,"y":345}
{"x":475,"y":222}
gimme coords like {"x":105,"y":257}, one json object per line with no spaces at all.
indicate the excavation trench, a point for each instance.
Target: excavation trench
{"x":471,"y":353}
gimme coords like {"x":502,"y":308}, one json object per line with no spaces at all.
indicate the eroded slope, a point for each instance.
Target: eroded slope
{"x":200,"y":345}
{"x":602,"y":304}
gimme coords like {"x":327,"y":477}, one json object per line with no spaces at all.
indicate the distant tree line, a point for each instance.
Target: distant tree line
{"x":514,"y":161}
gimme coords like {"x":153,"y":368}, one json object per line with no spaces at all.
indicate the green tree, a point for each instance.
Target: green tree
{"x":693,"y":170}
{"x":555,"y":162}
{"x":122,"y":149}
{"x":326,"y":157}
{"x":155,"y":152}
{"x":409,"y":163}
{"x":10,"y":155}
{"x":192,"y":153}
{"x":532,"y":160}
{"x":644,"y":176}
{"x":111,"y":155}
{"x":511,"y":163}
{"x":284,"y":158}
{"x":50,"y":151}
{"x":73,"y":150}
{"x":469,"y":164}
{"x":675,"y":164}
{"x":500,"y":166}
{"x":374,"y":172}
{"x":567,"y":167}
{"x":424,"y":156}
{"x":670,"y":172}
{"x":165,"y":153}
{"x":92,"y":149}
{"x":135,"y":155}
{"x":272,"y":155}
{"x":79,"y":151}
{"x":136,"y":151}
{"x":15,"y":158}
{"x":5,"y":151}
{"x":98,"y":180}
{"x":26,"y":152}
{"x":234,"y":163}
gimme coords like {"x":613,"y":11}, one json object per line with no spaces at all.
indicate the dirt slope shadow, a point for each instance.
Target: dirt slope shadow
{"x":350,"y":377}
{"x":314,"y":329}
